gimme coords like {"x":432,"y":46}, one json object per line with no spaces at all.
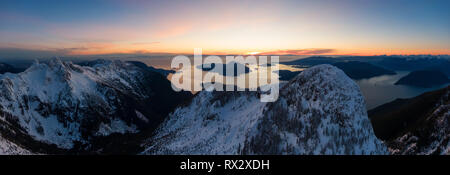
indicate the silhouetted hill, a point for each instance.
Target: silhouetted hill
{"x":443,"y":67}
{"x":312,"y":61}
{"x":411,"y":63}
{"x":9,"y":68}
{"x":287,"y":75}
{"x":144,"y":66}
{"x":424,"y":78}
{"x":394,"y":63}
{"x":360,"y":70}
{"x":418,"y":125}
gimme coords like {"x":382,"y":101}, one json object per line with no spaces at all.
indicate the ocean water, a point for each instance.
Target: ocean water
{"x":381,"y":89}
{"x":164,"y":61}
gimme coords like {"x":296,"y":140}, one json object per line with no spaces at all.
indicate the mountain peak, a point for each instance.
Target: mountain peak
{"x":55,"y":61}
{"x":321,"y":111}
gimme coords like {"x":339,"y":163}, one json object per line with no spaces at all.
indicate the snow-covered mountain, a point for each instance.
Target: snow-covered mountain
{"x":107,"y":106}
{"x":321,"y":111}
{"x":64,"y":104}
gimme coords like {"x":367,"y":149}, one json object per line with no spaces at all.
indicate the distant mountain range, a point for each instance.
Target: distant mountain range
{"x":312,"y":61}
{"x":424,"y":78}
{"x":354,"y":69}
{"x":360,"y":70}
{"x":416,"y":63}
{"x":360,"y":67}
{"x":4,"y":68}
{"x":144,"y":66}
{"x":394,"y":63}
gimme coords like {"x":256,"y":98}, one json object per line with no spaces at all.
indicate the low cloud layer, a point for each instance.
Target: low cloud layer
{"x":30,"y":53}
{"x":34,"y":53}
{"x":300,"y":52}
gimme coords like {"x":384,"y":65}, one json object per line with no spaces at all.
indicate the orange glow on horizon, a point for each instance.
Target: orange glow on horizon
{"x":356,"y":52}
{"x":226,"y":28}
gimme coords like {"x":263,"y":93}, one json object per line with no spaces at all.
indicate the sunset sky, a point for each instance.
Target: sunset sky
{"x":328,"y":27}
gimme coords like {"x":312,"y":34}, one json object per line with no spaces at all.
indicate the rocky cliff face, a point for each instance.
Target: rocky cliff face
{"x":321,"y":111}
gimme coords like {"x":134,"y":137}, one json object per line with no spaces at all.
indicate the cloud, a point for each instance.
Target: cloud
{"x":30,"y":53}
{"x":312,"y":51}
{"x":13,"y":52}
{"x":21,"y":53}
{"x":69,"y":50}
{"x":146,"y":43}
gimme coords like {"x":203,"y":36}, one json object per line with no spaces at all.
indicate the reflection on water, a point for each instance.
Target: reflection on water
{"x":290,"y":68}
{"x":380,"y":90}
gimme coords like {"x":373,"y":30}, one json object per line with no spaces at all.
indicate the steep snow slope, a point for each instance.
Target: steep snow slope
{"x":214,"y":123}
{"x":321,"y":111}
{"x":62,"y":103}
{"x":9,"y":148}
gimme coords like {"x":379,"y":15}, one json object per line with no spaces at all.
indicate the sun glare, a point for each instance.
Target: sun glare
{"x":253,"y":53}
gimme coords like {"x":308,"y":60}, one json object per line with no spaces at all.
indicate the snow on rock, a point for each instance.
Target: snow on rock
{"x":9,"y":148}
{"x":59,"y":102}
{"x":214,"y":123}
{"x":115,"y":126}
{"x":321,"y":111}
{"x":141,"y":116}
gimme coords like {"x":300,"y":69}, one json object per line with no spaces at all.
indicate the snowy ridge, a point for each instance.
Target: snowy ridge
{"x":321,"y":111}
{"x":214,"y":123}
{"x":56,"y":102}
{"x":9,"y":148}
